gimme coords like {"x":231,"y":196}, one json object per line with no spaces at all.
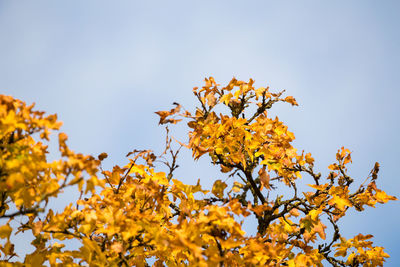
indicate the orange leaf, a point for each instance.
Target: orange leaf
{"x":102,"y":156}
{"x":264,"y":178}
{"x":291,"y":100}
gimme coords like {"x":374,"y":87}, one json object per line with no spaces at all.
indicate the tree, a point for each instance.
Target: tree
{"x":135,"y":214}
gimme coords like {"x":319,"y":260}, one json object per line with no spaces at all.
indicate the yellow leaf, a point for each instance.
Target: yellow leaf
{"x":318,"y":187}
{"x":211,"y":99}
{"x":225,"y":169}
{"x":236,"y":187}
{"x":5,"y":231}
{"x":35,"y":259}
{"x":294,"y":212}
{"x":37,"y":227}
{"x":314,"y":214}
{"x":62,"y":137}
{"x":301,"y":260}
{"x":226,"y":98}
{"x":340,"y":202}
{"x":164,"y":114}
{"x":8,"y":248}
{"x":382,"y":197}
{"x":85,"y":228}
{"x":333,"y":167}
{"x":260,"y":91}
{"x":309,"y":159}
{"x":291,"y":100}
{"x":258,"y":209}
{"x":218,"y":188}
{"x":237,"y":94}
{"x":117,"y":247}
{"x":320,"y":229}
{"x":264,"y":178}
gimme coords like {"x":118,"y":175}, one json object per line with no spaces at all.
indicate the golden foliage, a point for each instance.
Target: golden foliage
{"x":133,"y":215}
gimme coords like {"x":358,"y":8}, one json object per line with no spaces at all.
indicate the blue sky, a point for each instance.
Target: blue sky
{"x":105,"y":67}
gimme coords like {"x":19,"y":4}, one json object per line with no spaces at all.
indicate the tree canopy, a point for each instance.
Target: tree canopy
{"x":141,"y":213}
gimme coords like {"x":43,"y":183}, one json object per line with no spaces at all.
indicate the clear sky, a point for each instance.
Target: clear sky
{"x":105,"y":66}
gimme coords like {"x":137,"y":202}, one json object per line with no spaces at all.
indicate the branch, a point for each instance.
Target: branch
{"x":254,"y":186}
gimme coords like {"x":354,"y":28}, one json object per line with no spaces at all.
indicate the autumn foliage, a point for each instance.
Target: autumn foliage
{"x":141,"y":214}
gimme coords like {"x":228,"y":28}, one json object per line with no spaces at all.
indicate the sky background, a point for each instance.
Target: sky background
{"x":106,"y":67}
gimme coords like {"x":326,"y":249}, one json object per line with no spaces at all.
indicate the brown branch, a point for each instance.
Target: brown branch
{"x":123,"y":178}
{"x":254,"y":186}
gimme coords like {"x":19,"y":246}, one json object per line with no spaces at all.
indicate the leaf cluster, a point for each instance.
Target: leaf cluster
{"x":135,"y":213}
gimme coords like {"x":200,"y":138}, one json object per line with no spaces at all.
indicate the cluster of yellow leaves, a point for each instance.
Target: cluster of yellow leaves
{"x":338,"y":198}
{"x":135,"y":215}
{"x":360,"y":251}
{"x":133,"y":222}
{"x":231,"y":139}
{"x":25,"y":173}
{"x":243,"y":141}
{"x":27,"y":178}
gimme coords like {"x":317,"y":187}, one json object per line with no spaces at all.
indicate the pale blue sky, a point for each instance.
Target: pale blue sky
{"x":104,"y":67}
